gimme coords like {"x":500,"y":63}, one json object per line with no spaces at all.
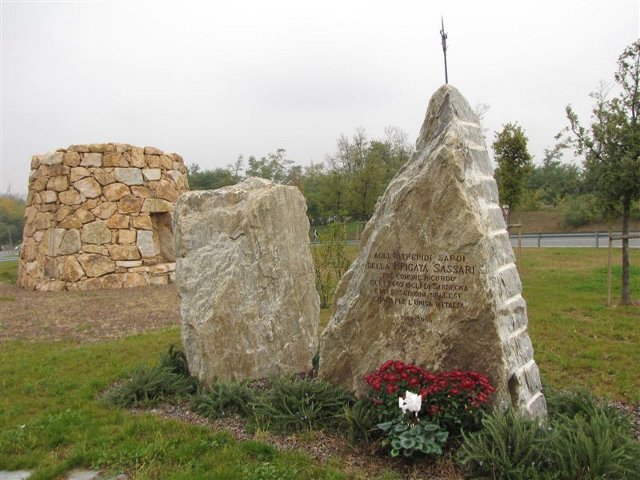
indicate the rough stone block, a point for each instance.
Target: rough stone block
{"x":146,"y":244}
{"x":96,"y":265}
{"x":71,"y":159}
{"x":91,"y":159}
{"x":431,"y":281}
{"x":151,"y":173}
{"x":88,"y":187}
{"x":70,"y":197}
{"x":157,"y":205}
{"x":123,"y":252}
{"x":78,"y":173}
{"x":105,"y":210}
{"x":59,"y":183}
{"x":130,"y":205}
{"x":118,"y":221}
{"x":129,"y":176}
{"x":127,"y":236}
{"x":142,"y":222}
{"x":96,"y":232}
{"x":115,"y":191}
{"x":247,"y":312}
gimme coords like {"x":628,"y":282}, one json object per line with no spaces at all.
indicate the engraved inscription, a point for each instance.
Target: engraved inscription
{"x":420,"y":279}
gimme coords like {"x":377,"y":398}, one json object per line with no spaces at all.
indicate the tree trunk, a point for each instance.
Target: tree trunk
{"x":626,"y":211}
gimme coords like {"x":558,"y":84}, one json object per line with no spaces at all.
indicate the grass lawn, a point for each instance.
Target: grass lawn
{"x":50,"y":420}
{"x":578,"y":340}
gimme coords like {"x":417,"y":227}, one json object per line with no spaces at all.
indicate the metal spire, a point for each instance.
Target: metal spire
{"x":443,"y":34}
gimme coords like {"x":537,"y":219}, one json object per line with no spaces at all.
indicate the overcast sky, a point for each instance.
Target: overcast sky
{"x":213,"y":80}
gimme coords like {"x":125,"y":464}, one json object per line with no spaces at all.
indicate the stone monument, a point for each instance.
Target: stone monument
{"x":435,"y":281}
{"x":99,"y":216}
{"x":246,"y":281}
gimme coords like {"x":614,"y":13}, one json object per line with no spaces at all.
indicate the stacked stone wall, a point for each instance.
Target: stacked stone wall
{"x":100,"y":216}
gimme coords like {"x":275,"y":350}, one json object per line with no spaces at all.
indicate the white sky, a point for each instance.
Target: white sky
{"x":212,"y":80}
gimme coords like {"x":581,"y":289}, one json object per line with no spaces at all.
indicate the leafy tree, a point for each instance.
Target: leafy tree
{"x":361,"y":169}
{"x":210,"y":179}
{"x":553,"y":179}
{"x":11,"y":219}
{"x":611,"y":147}
{"x":275,"y":166}
{"x":514,"y":163}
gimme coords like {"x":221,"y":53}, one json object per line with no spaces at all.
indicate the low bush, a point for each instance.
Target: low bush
{"x":581,"y":209}
{"x":294,"y":404}
{"x":360,"y":420}
{"x":594,"y":447}
{"x":175,"y":360}
{"x":168,"y":381}
{"x":508,"y":447}
{"x":148,"y":386}
{"x":579,"y":440}
{"x":224,"y":398}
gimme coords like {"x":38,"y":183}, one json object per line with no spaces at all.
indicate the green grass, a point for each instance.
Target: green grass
{"x":578,"y":340}
{"x":8,"y":272}
{"x":50,"y":419}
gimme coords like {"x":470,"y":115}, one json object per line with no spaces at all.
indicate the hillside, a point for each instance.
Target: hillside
{"x":551,"y":221}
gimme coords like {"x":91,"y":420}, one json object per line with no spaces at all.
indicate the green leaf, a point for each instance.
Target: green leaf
{"x":385,"y":426}
{"x":400,"y":428}
{"x":407,"y":443}
{"x":430,"y":427}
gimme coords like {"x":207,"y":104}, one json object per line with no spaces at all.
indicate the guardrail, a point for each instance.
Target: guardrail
{"x":581,"y":239}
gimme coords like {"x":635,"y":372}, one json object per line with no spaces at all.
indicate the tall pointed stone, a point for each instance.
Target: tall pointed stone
{"x":435,"y":281}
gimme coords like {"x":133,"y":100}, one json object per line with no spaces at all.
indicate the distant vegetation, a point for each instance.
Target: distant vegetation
{"x":11,"y":219}
{"x":347,"y":185}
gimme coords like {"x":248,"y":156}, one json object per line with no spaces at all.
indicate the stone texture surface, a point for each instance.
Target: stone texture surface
{"x":435,"y":282}
{"x":246,"y":281}
{"x":84,"y":211}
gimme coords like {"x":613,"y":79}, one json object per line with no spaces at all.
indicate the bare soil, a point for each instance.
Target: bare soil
{"x":87,"y":316}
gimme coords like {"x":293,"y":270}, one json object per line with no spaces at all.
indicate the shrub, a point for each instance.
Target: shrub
{"x":581,"y":209}
{"x":175,"y":360}
{"x":360,"y":420}
{"x":150,"y":385}
{"x":294,"y":404}
{"x":508,"y":447}
{"x":594,"y":447}
{"x":223,"y":398}
{"x":587,"y":442}
{"x":455,"y":400}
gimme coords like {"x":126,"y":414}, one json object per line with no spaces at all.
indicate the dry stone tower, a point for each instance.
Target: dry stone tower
{"x":100,"y":216}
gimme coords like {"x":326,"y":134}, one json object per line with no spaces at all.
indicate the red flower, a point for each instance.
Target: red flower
{"x":433,"y":410}
{"x":392,"y":388}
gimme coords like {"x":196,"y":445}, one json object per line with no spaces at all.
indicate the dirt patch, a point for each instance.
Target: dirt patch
{"x":88,"y":316}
